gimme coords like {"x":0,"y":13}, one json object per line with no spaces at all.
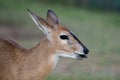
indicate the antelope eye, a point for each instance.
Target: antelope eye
{"x":64,"y":37}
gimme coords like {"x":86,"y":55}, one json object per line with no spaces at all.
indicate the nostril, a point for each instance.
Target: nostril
{"x":85,"y":50}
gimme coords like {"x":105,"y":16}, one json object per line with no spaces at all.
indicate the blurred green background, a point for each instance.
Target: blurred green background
{"x":95,"y":22}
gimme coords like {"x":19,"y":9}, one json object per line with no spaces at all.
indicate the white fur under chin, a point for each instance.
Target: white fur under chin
{"x":63,"y":54}
{"x":58,"y":55}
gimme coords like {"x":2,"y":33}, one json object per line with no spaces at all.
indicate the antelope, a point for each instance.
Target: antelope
{"x":19,"y":63}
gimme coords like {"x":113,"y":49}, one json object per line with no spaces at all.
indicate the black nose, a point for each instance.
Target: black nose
{"x":85,"y":50}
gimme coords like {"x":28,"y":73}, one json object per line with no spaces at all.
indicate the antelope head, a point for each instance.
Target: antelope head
{"x":65,"y":42}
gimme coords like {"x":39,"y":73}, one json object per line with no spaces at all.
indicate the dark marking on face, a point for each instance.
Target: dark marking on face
{"x":73,"y":35}
{"x":84,"y":48}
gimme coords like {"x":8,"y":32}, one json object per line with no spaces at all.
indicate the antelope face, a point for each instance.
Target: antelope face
{"x":68,"y":44}
{"x":64,"y":41}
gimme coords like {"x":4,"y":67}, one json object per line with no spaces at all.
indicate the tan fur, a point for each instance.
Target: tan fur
{"x":19,"y":63}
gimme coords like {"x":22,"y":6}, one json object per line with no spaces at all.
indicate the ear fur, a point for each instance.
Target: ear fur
{"x":52,"y":18}
{"x":41,"y":23}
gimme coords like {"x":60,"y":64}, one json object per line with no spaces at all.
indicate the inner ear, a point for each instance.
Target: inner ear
{"x":41,"y":24}
{"x":52,"y":18}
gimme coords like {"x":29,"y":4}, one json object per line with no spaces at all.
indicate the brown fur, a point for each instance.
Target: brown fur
{"x":18,"y":63}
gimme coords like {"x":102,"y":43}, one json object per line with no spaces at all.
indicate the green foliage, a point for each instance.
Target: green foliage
{"x":95,"y":4}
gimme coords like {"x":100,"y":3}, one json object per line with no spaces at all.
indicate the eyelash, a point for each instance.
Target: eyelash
{"x":64,"y":37}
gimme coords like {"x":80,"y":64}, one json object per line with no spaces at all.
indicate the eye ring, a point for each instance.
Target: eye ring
{"x":64,"y":37}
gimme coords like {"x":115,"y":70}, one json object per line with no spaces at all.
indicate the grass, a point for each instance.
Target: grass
{"x":99,"y":31}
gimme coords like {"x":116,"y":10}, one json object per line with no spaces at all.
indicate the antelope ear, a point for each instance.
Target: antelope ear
{"x":41,"y":23}
{"x":52,"y":18}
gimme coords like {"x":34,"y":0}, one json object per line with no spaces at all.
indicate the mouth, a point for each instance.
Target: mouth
{"x":80,"y":56}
